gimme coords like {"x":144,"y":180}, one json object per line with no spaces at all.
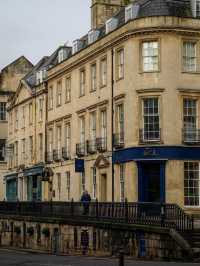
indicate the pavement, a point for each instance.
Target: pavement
{"x":19,"y":258}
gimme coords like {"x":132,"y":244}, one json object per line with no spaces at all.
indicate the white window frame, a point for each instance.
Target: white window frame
{"x":103,"y":72}
{"x":150,"y":56}
{"x":68,"y":137}
{"x":111,"y":24}
{"x":93,"y":125}
{"x":82,"y":82}
{"x":146,"y":115}
{"x":3,"y":114}
{"x":59,"y":93}
{"x":93,"y":77}
{"x":50,"y":98}
{"x":122,"y":182}
{"x":68,"y":182}
{"x":94,"y":182}
{"x":68,"y":89}
{"x":188,"y":188}
{"x":120,"y":120}
{"x":120,"y":63}
{"x":189,"y":56}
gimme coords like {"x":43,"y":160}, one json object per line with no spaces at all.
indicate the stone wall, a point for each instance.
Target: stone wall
{"x":69,"y":239}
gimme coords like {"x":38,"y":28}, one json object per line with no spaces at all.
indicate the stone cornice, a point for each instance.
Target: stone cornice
{"x":133,"y":28}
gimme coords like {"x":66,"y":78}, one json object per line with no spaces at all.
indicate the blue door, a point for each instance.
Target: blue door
{"x":151,"y":181}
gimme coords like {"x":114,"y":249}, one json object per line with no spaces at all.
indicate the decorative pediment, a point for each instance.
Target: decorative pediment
{"x":101,"y":162}
{"x":23,"y":93}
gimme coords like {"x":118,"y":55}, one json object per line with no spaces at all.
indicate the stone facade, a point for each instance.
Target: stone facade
{"x":121,"y":117}
{"x":10,"y":77}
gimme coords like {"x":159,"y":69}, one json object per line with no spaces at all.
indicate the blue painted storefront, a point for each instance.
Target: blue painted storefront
{"x":151,"y":162}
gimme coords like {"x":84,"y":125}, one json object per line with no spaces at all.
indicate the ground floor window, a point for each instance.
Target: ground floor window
{"x":122,"y":182}
{"x":191,"y":184}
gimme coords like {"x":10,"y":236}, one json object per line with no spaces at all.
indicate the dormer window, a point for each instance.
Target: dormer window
{"x":111,"y":24}
{"x":63,"y":54}
{"x":40,"y":76}
{"x":93,"y":36}
{"x":77,"y":46}
{"x":60,"y":56}
{"x":131,"y":12}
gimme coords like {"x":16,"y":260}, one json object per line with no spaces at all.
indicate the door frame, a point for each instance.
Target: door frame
{"x":140,"y":165}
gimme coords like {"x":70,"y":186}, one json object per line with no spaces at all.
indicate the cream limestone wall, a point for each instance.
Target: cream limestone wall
{"x":167,"y":83}
{"x":175,"y":182}
{"x":23,"y":99}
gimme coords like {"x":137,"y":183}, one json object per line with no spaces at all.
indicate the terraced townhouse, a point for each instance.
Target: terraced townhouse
{"x":122,"y":109}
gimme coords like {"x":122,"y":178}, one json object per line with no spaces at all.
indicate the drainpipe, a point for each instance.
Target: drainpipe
{"x":112,"y":124}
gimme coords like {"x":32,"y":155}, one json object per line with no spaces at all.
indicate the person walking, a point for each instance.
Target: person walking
{"x":85,"y":199}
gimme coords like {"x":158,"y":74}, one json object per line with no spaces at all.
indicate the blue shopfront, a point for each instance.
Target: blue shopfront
{"x":151,"y":164}
{"x":34,"y":182}
{"x":11,"y":187}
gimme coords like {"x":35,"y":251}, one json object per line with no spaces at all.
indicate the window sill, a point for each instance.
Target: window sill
{"x":103,"y":86}
{"x":190,"y":72}
{"x":119,"y":79}
{"x":68,"y":101}
{"x":149,"y":72}
{"x":92,"y":91}
{"x":3,"y":121}
{"x":58,"y":105}
{"x":80,"y":96}
{"x":50,"y":109}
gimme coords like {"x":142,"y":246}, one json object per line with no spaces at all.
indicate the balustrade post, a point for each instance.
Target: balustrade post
{"x":126,"y":210}
{"x":72,"y":207}
{"x":97,"y":208}
{"x":162,"y":214}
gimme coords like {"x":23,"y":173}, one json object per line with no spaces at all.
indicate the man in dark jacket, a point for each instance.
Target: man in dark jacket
{"x":85,"y":199}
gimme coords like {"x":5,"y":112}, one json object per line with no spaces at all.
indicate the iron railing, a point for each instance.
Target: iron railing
{"x":57,"y":155}
{"x":149,"y":135}
{"x":49,"y":157}
{"x":151,"y":214}
{"x":191,"y":135}
{"x":65,"y":153}
{"x":101,"y":144}
{"x":119,"y":140}
{"x":91,"y":146}
{"x":80,"y":149}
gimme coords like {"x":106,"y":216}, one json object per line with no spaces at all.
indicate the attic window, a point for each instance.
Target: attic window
{"x":111,"y":24}
{"x":131,"y":12}
{"x":77,"y":45}
{"x":93,"y":36}
{"x":40,"y":76}
{"x":62,"y":54}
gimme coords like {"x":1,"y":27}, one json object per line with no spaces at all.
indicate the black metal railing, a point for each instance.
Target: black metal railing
{"x":65,"y":153}
{"x":57,"y":156}
{"x":101,"y":144}
{"x":151,"y":214}
{"x":191,"y":135}
{"x":80,"y":149}
{"x":149,"y":135}
{"x":91,"y":146}
{"x":49,"y":157}
{"x":119,"y":140}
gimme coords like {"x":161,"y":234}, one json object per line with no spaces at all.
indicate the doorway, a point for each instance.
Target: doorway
{"x":151,"y":181}
{"x":103,"y":191}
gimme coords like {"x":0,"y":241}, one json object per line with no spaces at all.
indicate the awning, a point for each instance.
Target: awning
{"x":11,"y":176}
{"x":37,"y":170}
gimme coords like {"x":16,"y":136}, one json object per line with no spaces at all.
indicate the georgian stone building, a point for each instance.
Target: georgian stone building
{"x":9,"y":80}
{"x":122,"y":106}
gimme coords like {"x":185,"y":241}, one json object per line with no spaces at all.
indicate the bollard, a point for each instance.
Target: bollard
{"x":121,"y":258}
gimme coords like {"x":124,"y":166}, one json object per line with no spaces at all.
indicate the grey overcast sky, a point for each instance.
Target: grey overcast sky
{"x":35,"y":28}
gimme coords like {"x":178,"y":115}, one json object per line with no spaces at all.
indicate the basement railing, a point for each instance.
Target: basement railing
{"x":151,"y":214}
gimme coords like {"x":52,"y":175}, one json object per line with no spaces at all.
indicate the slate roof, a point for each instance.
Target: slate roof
{"x":147,"y":8}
